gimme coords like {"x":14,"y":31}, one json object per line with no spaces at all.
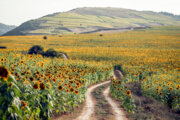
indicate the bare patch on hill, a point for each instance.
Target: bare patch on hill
{"x":113,"y":30}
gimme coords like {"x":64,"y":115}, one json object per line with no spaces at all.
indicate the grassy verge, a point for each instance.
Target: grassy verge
{"x":148,"y":108}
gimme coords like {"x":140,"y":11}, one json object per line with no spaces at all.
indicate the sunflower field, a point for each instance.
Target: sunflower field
{"x":37,"y":87}
{"x":33,"y":87}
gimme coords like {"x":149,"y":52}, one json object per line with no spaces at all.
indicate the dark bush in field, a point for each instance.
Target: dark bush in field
{"x":37,"y":49}
{"x":52,"y":53}
{"x":49,"y":53}
{"x":3,"y":47}
{"x":45,"y":37}
{"x":100,"y":35}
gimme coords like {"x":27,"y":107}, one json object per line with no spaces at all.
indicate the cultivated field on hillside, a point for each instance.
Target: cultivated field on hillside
{"x":82,"y":20}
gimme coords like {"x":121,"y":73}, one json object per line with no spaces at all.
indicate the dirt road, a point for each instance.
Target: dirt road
{"x":119,"y":115}
{"x":98,"y":105}
{"x":89,"y":106}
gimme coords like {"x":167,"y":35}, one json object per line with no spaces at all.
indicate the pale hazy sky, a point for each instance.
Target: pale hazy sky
{"x":15,"y":12}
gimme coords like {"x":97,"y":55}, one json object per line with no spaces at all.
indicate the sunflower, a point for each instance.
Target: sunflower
{"x":170,"y":88}
{"x":160,"y":93}
{"x":76,"y":92}
{"x":119,"y":82}
{"x":24,"y":104}
{"x":170,"y":83}
{"x":70,"y":86}
{"x":2,"y":59}
{"x":78,"y":84}
{"x":42,"y":64}
{"x":38,"y":72}
{"x":128,"y":92}
{"x":71,"y":81}
{"x":60,"y":88}
{"x":71,"y":89}
{"x":178,"y":86}
{"x":54,"y":80}
{"x":60,"y":83}
{"x":175,"y":97}
{"x":36,"y":85}
{"x":31,"y":79}
{"x":22,"y":61}
{"x":16,"y":74}
{"x":157,"y":90}
{"x":41,"y":75}
{"x":42,"y":86}
{"x":4,"y":73}
{"x":67,"y":90}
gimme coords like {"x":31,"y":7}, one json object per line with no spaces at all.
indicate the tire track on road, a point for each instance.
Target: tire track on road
{"x":88,"y":110}
{"x":119,"y":115}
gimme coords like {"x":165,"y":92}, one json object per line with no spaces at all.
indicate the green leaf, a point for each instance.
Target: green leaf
{"x":38,"y":110}
{"x":11,"y":79}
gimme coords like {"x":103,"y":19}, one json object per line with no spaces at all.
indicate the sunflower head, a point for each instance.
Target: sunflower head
{"x":4,"y":73}
{"x":60,"y":88}
{"x":67,"y":90}
{"x":76,"y":92}
{"x":36,"y":85}
{"x":24,"y":104}
{"x":170,"y":88}
{"x":71,"y":89}
{"x":175,"y":97}
{"x":128,"y":92}
{"x":42,"y":86}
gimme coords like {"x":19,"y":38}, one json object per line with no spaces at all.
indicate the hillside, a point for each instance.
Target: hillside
{"x":5,"y":28}
{"x":88,"y":20}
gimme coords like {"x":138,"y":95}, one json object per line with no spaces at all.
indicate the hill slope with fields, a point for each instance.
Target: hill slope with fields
{"x":89,"y":20}
{"x":5,"y":28}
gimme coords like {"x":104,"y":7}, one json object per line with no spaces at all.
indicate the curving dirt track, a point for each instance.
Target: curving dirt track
{"x":88,"y":111}
{"x":119,"y":115}
{"x":89,"y":106}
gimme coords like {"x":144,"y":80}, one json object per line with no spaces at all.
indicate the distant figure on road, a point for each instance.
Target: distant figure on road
{"x":117,"y":75}
{"x":117,"y":72}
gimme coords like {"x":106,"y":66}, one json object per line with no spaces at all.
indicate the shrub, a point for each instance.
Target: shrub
{"x":45,"y":37}
{"x":51,"y":53}
{"x":100,"y":35}
{"x":37,"y":49}
{"x":3,"y":47}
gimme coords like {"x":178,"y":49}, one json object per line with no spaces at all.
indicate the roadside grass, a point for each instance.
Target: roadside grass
{"x":148,"y":108}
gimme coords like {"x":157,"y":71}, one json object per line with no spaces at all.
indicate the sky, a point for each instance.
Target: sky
{"x":15,"y":12}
